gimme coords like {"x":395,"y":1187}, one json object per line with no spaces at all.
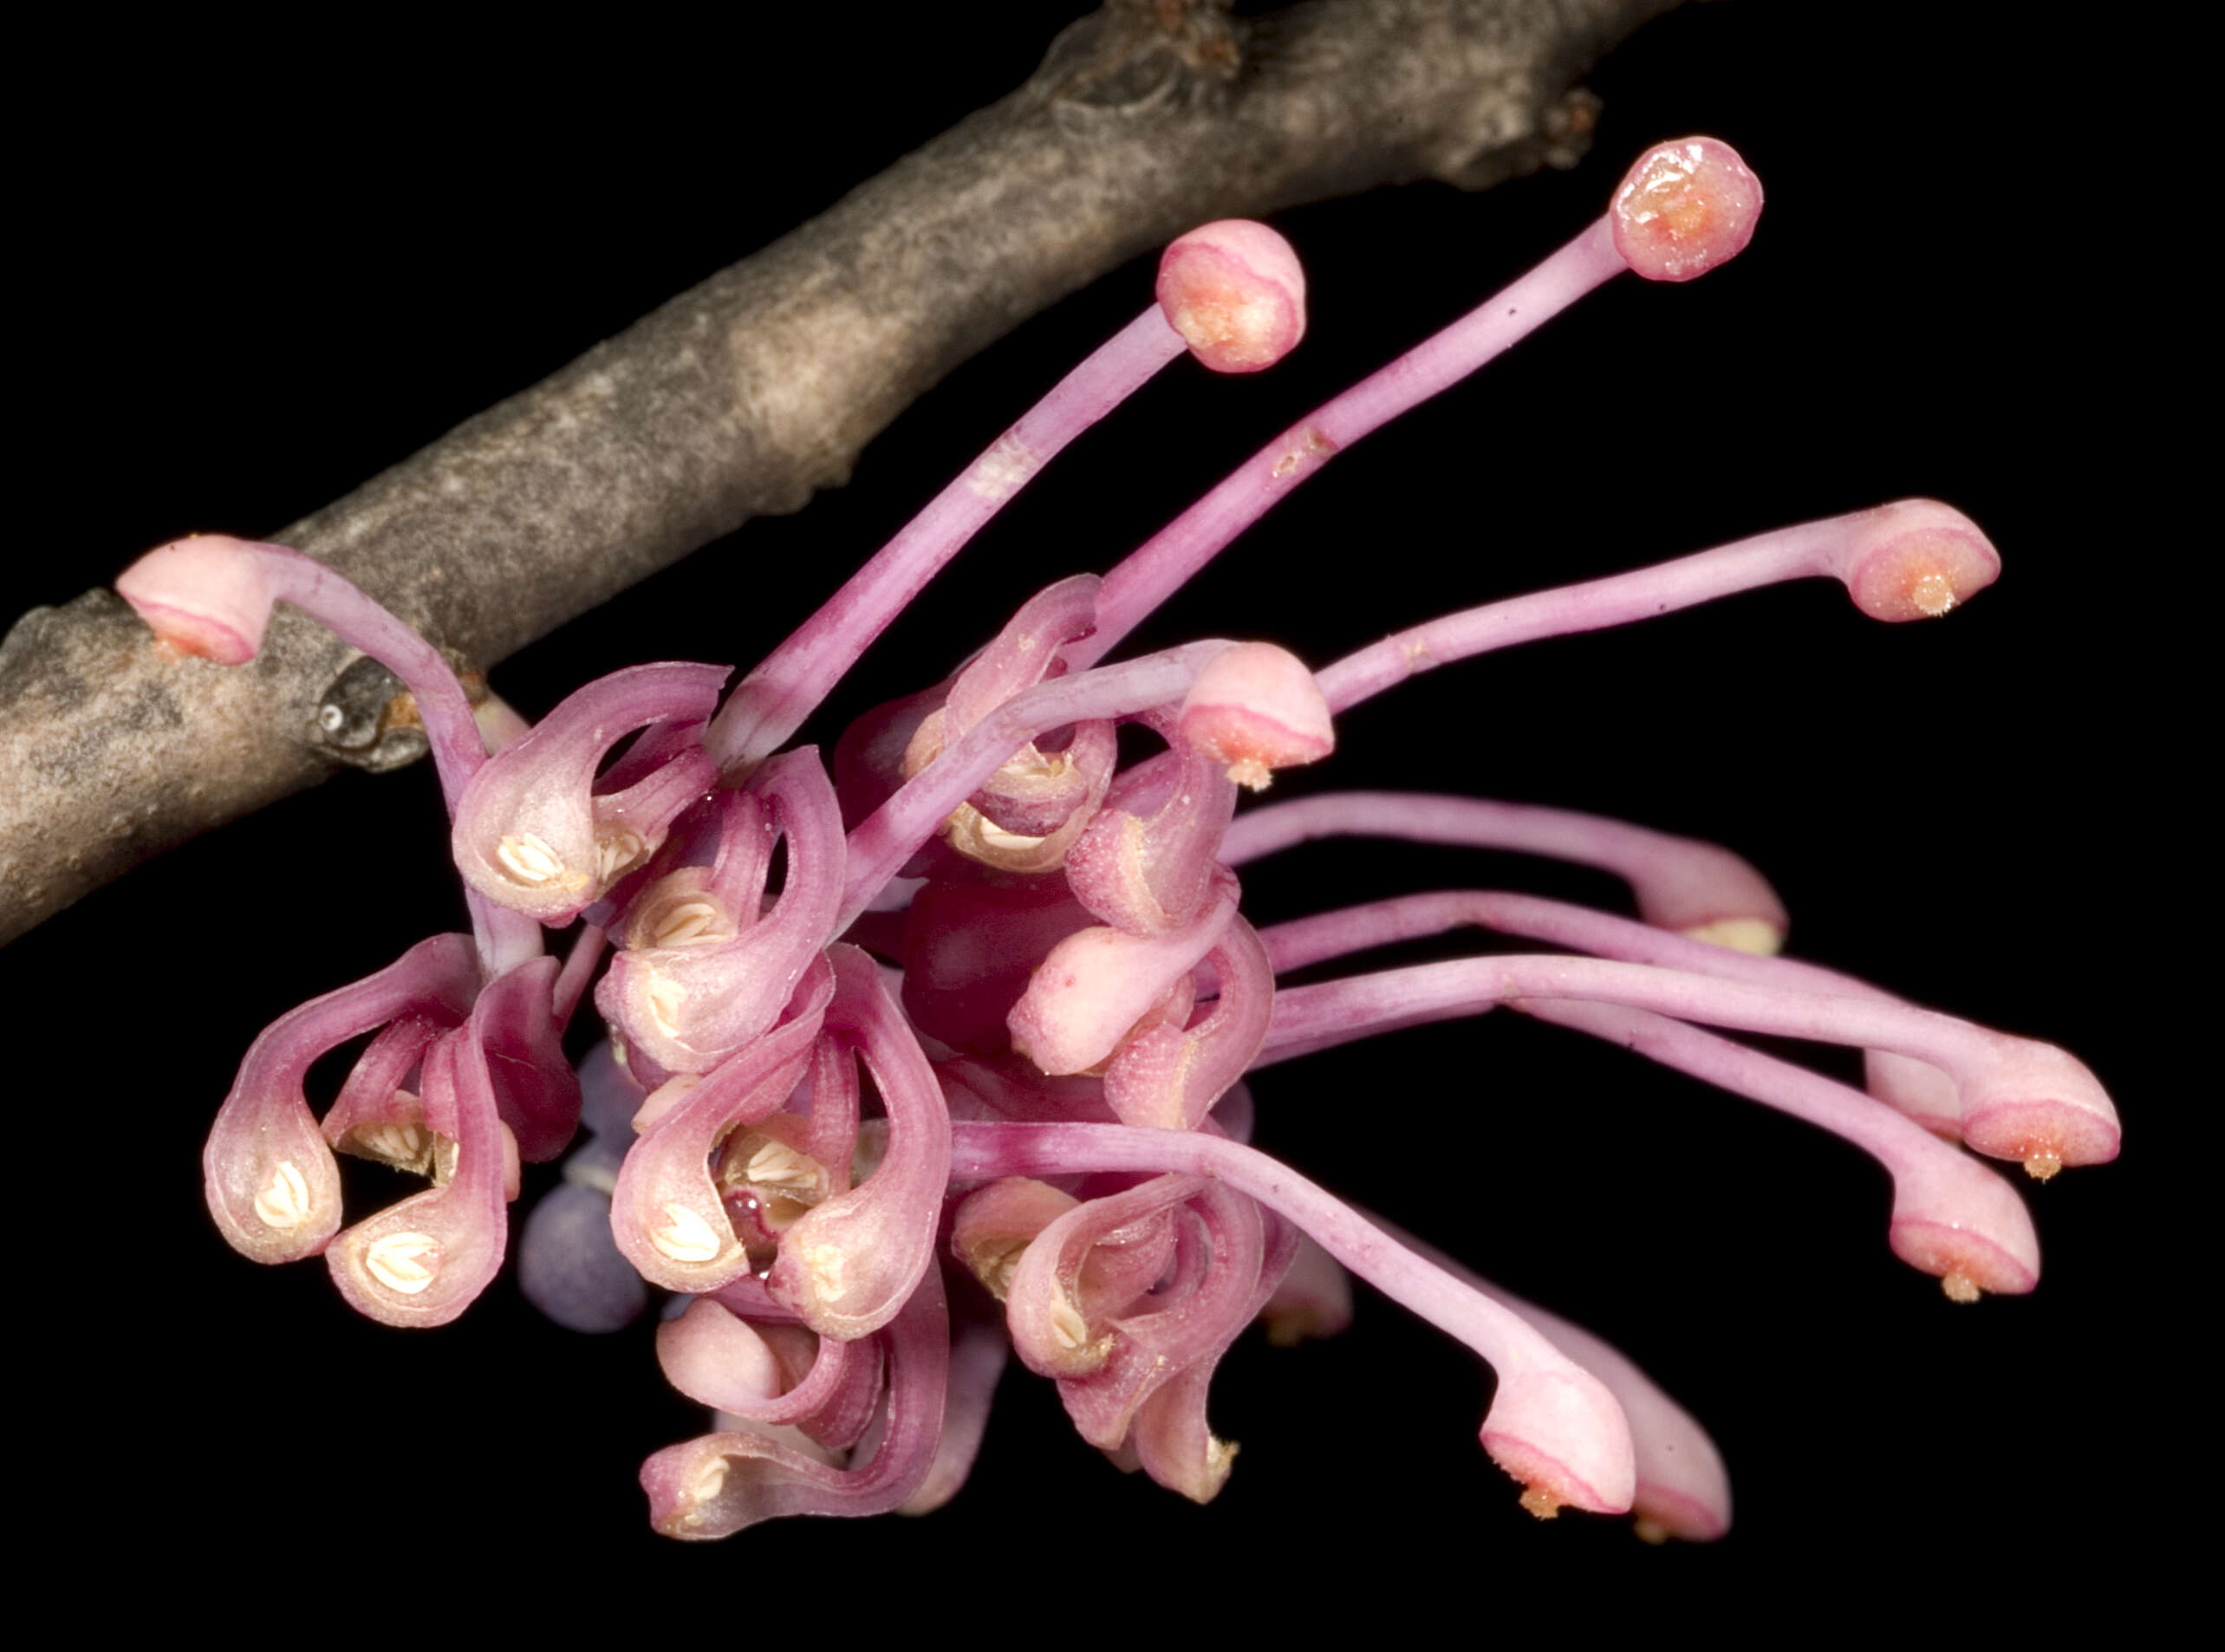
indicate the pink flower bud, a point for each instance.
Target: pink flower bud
{"x":1686,"y":207}
{"x":1234,"y":292}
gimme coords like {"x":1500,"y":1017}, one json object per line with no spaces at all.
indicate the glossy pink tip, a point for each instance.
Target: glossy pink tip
{"x":1257,"y":708}
{"x":1561,"y":1434}
{"x":2041,"y":1106}
{"x":1917,"y":559}
{"x":1686,"y":207}
{"x":206,"y":594}
{"x":1234,"y":292}
{"x":1960,"y":1220}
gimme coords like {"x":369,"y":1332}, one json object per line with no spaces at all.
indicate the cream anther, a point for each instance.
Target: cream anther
{"x":709,"y":1481}
{"x":614,"y":852}
{"x":285,"y":1201}
{"x":690,"y":921}
{"x":406,"y":1147}
{"x":666,"y":996}
{"x":528,"y":859}
{"x":993,"y":1264}
{"x":778,"y":1165}
{"x":1067,"y":1325}
{"x":684,"y":1236}
{"x":405,"y":1263}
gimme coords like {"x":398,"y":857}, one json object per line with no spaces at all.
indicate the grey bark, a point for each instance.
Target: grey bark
{"x":742,"y":397}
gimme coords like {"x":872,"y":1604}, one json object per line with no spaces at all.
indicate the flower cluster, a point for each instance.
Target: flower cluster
{"x":932,"y":1050}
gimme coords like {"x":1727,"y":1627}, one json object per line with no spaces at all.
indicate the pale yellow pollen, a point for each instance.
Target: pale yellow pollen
{"x":1648,"y":1529}
{"x":1251,"y":774}
{"x":405,"y":1263}
{"x":1219,"y":1455}
{"x":1960,"y":1287}
{"x":1932,"y":594}
{"x":527,"y":858}
{"x":684,"y":1236}
{"x":2041,"y":1163}
{"x":1755,"y":936}
{"x":285,"y":1201}
{"x":1540,"y":1502}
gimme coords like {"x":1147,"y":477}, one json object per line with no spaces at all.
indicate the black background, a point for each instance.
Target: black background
{"x":259,"y":271}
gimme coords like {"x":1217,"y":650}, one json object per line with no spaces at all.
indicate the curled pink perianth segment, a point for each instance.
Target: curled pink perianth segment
{"x":716,"y":1486}
{"x":894,"y":832}
{"x":1082,"y":1268}
{"x":1684,"y":208}
{"x":780,"y":1375}
{"x":534,"y":834}
{"x":374,"y":1116}
{"x":270,"y":1177}
{"x":848,"y":1264}
{"x":421,"y":1262}
{"x":668,"y":1213}
{"x":1022,"y":816}
{"x":1209,"y":1294}
{"x":705,"y":973}
{"x":1169,"y":1077}
{"x":1235,"y":292}
{"x":1098,"y":983}
{"x":993,"y":1225}
{"x":1145,"y":861}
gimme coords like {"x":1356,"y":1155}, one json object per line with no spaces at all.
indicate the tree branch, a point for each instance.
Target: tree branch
{"x":743,"y":396}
